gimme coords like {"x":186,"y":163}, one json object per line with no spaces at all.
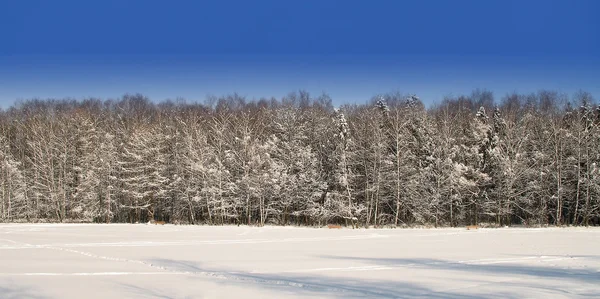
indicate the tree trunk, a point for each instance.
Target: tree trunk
{"x":575,"y":216}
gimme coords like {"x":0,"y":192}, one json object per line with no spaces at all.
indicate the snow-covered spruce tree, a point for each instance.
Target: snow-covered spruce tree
{"x":141,"y":166}
{"x":364,"y":160}
{"x":95,"y":162}
{"x":575,"y":136}
{"x":538,"y":183}
{"x":294,"y":166}
{"x":587,"y":146}
{"x":87,"y":201}
{"x":219,"y":187}
{"x":456,"y":159}
{"x":442,"y":166}
{"x":338,"y":203}
{"x":190,"y":175}
{"x":383,"y":158}
{"x":423,"y":199}
{"x":258,"y":178}
{"x":15,"y":132}
{"x":376,"y":161}
{"x":322,"y":137}
{"x":595,"y":171}
{"x":493,"y":206}
{"x":445,"y":177}
{"x":175,"y":206}
{"x":244,"y":154}
{"x":50,"y":154}
{"x":567,"y":170}
{"x":398,"y":145}
{"x":474,"y":181}
{"x":510,"y":160}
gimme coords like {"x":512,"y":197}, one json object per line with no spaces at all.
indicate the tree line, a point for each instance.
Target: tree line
{"x":528,"y":159}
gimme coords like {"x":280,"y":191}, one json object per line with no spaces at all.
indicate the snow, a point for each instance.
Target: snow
{"x":149,"y":261}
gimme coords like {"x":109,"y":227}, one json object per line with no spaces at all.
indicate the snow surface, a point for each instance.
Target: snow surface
{"x":149,"y":261}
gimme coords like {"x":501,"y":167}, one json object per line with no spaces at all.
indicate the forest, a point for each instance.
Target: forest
{"x":523,"y":159}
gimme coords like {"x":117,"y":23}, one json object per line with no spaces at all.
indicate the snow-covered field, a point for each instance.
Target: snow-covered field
{"x":148,"y":261}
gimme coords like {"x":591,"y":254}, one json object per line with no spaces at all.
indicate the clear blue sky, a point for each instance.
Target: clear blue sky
{"x":349,"y":49}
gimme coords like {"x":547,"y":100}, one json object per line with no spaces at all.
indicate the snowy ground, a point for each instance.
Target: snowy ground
{"x":148,"y":261}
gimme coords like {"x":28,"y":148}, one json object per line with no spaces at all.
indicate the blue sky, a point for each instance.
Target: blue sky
{"x":349,"y":49}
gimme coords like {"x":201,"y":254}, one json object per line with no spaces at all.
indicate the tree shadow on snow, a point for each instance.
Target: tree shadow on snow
{"x":145,"y":291}
{"x":18,"y":293}
{"x":575,"y":275}
{"x":340,"y":287}
{"x":575,"y":256}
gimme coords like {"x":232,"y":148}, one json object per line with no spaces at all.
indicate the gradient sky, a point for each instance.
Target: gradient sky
{"x":350,"y":49}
